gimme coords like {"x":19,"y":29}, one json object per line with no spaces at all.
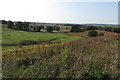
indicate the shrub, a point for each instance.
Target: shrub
{"x":92,"y":33}
{"x":100,"y":34}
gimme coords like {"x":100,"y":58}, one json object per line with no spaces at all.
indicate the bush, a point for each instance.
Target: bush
{"x":92,"y":33}
{"x":100,"y":34}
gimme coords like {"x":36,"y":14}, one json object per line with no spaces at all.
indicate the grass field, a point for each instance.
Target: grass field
{"x":87,"y":59}
{"x":10,"y":36}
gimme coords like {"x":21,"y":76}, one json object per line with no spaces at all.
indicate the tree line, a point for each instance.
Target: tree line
{"x":74,"y":28}
{"x":27,"y":27}
{"x":82,"y":28}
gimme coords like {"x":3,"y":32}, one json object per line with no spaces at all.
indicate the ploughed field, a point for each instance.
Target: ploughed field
{"x":106,"y":33}
{"x":91,"y":57}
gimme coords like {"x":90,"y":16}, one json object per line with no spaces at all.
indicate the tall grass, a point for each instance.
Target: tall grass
{"x":91,"y":58}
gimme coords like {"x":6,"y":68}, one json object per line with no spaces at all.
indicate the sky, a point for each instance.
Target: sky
{"x":60,"y":11}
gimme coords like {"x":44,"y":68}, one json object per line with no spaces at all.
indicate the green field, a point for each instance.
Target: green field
{"x":10,"y":36}
{"x":105,"y":25}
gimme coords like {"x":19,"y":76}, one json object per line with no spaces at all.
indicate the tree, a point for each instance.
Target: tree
{"x":76,"y":29}
{"x":4,"y":22}
{"x":58,"y":29}
{"x":49,"y":29}
{"x":30,"y":27}
{"x":42,"y":27}
{"x":26,"y":26}
{"x":19,"y":25}
{"x":38,"y":28}
{"x":92,"y":33}
{"x":34,"y":28}
{"x":10,"y":24}
{"x":89,"y":28}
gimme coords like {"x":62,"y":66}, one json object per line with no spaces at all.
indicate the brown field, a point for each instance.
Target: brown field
{"x":84,"y":34}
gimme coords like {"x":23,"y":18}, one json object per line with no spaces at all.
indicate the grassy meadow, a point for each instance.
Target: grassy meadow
{"x":63,"y":56}
{"x":12,"y":38}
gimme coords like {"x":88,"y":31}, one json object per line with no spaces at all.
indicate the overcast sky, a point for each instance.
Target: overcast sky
{"x":60,"y":11}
